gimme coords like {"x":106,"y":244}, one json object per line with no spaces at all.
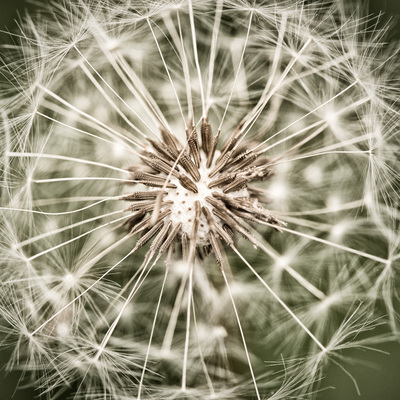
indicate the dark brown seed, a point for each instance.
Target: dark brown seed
{"x":140,"y":204}
{"x":241,"y":161}
{"x":207,"y":250}
{"x":221,"y":164}
{"x":211,"y":154}
{"x":187,"y":183}
{"x":237,"y":184}
{"x":147,"y":236}
{"x":185,"y":246}
{"x":233,"y":139}
{"x":206,"y":136}
{"x":147,"y":206}
{"x":215,"y":227}
{"x":224,"y":216}
{"x":196,"y":221}
{"x":159,"y":239}
{"x":217,"y":248}
{"x":151,"y":180}
{"x":146,"y":223}
{"x":148,"y":155}
{"x":189,"y":166}
{"x":171,"y":142}
{"x":170,"y":238}
{"x":225,"y":212}
{"x":162,"y":150}
{"x":193,"y":143}
{"x":228,"y":230}
{"x":222,"y":180}
{"x":142,"y":195}
{"x":161,"y":166}
{"x":132,"y":221}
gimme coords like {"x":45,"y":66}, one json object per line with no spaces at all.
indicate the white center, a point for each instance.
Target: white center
{"x":183,"y":209}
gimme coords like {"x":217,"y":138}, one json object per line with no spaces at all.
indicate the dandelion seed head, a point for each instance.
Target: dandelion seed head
{"x":147,"y":150}
{"x":203,"y":196}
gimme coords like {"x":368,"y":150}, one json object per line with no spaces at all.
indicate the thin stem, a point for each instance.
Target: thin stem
{"x":60,"y":213}
{"x":77,"y":238}
{"x":305,"y":115}
{"x":152,"y":332}
{"x":90,"y":117}
{"x":196,"y":57}
{"x":108,"y":99}
{"x":237,"y":72}
{"x":169,"y":333}
{"x":167,"y":71}
{"x":84,"y":178}
{"x":89,"y":287}
{"x":326,"y":210}
{"x":280,"y":301}
{"x":134,"y":290}
{"x":187,"y":336}
{"x":64,"y":228}
{"x":178,"y":40}
{"x":141,"y":93}
{"x":332,"y":244}
{"x":241,"y":333}
{"x":65,"y":158}
{"x":86,"y":133}
{"x":202,"y":360}
{"x":249,"y":124}
{"x":292,"y":272}
{"x":213,"y":47}
{"x":69,"y":115}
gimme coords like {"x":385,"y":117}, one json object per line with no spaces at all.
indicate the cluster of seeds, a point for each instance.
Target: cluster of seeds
{"x":198,"y":195}
{"x":195,"y":104}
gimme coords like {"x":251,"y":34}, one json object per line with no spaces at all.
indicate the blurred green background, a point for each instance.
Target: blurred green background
{"x":377,"y":373}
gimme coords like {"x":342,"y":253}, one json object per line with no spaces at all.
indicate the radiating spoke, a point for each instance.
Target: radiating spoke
{"x":196,"y":56}
{"x":280,"y":301}
{"x":213,"y":52}
{"x":125,"y":146}
{"x":77,"y":237}
{"x":187,"y":335}
{"x":134,"y":290}
{"x":241,"y":333}
{"x":62,"y":212}
{"x":84,"y":268}
{"x":64,"y":228}
{"x":168,"y":73}
{"x":152,"y":333}
{"x":86,"y":115}
{"x":332,"y":244}
{"x":237,"y":71}
{"x":108,"y":99}
{"x":65,"y":158}
{"x":304,"y":116}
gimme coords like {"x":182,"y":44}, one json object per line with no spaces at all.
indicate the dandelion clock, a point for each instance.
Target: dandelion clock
{"x":199,"y":199}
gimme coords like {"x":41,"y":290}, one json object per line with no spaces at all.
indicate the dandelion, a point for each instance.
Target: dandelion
{"x":199,"y":198}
